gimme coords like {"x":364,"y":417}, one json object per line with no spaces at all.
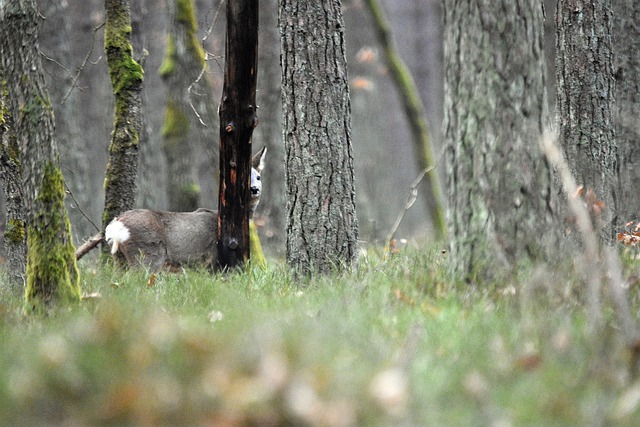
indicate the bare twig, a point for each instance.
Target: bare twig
{"x":74,"y":81}
{"x":411,"y":198}
{"x":195,"y":111}
{"x":204,"y":66}
{"x":213,"y":22}
{"x":70,"y":193}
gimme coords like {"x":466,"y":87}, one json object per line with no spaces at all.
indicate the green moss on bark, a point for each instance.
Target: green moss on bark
{"x":169,"y":63}
{"x":176,"y":122}
{"x":52,"y":273}
{"x":186,"y":18}
{"x":15,"y":230}
{"x":124,"y":71}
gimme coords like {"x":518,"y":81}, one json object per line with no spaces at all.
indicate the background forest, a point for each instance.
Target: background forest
{"x":491,"y":330}
{"x":77,"y":77}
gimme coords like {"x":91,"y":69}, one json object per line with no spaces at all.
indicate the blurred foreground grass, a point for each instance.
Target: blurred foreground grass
{"x":396,"y":342}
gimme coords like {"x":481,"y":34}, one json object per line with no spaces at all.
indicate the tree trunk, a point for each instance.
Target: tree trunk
{"x":15,"y":232}
{"x":238,"y":118}
{"x":585,"y":96}
{"x":416,"y":117}
{"x":498,"y":182}
{"x":52,"y":274}
{"x":626,"y":44}
{"x":185,"y":73}
{"x":126,"y":80}
{"x":322,"y":228}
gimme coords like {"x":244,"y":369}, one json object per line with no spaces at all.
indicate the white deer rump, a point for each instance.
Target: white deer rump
{"x":116,"y":233}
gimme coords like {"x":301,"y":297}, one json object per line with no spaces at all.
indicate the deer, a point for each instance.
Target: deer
{"x":162,"y":239}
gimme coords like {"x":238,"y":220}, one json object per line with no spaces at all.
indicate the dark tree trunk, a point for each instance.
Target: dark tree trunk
{"x":498,"y":182}
{"x":322,"y":228}
{"x":126,"y":80}
{"x":190,"y":108}
{"x":52,"y":274}
{"x":238,"y":118}
{"x":585,"y":97}
{"x":626,"y":44}
{"x":15,"y":231}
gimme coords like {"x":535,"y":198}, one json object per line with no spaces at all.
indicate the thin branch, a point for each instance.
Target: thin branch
{"x":204,"y":66}
{"x":70,"y":193}
{"x":195,"y":111}
{"x":74,"y":81}
{"x":88,"y":245}
{"x":411,"y":198}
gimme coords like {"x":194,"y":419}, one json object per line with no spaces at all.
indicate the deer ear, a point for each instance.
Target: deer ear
{"x":257,"y":161}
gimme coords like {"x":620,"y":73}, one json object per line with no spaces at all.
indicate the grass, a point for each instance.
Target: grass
{"x":395,"y":342}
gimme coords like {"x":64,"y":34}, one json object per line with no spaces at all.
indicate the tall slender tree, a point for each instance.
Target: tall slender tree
{"x":416,"y":117}
{"x":190,"y":107}
{"x":498,"y":182}
{"x":585,"y":98}
{"x":52,"y":274}
{"x":126,"y":79}
{"x":322,"y":227}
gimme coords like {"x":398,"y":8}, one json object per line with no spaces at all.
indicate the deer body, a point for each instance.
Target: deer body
{"x":158,"y":239}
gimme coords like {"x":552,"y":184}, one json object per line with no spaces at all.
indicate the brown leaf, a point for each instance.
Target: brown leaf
{"x":529,"y":362}
{"x":152,"y":280}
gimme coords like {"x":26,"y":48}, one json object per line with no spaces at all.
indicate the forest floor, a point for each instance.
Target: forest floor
{"x":395,"y":342}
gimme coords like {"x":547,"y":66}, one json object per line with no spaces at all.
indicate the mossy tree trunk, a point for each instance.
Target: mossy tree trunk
{"x":585,"y":98}
{"x":626,"y":44}
{"x":52,"y":274}
{"x":185,"y":73}
{"x":238,"y":118}
{"x":322,"y":227}
{"x":499,"y":185}
{"x":15,"y":234}
{"x":126,"y":79}
{"x":416,"y":117}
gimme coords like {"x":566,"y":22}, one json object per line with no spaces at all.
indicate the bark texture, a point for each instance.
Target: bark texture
{"x":15,"y":231}
{"x":185,"y":73}
{"x":626,"y":43}
{"x":585,"y":97}
{"x":238,"y":118}
{"x":52,"y":274}
{"x":498,"y":182}
{"x":126,"y":79}
{"x":322,"y":228}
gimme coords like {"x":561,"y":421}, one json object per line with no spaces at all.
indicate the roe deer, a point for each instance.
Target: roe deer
{"x":156,"y":239}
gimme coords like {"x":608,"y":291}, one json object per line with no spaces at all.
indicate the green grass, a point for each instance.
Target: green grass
{"x":395,"y":342}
